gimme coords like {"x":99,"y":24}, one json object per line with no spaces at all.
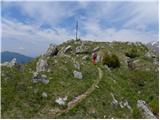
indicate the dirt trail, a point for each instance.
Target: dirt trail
{"x":56,"y":112}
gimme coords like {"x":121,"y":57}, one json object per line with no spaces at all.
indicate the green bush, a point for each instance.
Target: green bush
{"x":132,"y":53}
{"x":106,"y":59}
{"x":111,"y":60}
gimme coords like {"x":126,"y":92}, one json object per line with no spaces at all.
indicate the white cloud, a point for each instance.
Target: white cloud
{"x":18,"y":33}
{"x":47,"y":12}
{"x":128,"y":21}
{"x":95,"y":32}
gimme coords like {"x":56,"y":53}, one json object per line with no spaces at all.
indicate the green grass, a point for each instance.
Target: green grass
{"x":20,"y":101}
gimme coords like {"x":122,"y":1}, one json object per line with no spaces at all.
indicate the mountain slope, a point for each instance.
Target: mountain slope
{"x":114,"y":95}
{"x":8,"y":56}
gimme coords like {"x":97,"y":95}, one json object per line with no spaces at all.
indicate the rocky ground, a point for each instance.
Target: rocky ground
{"x":63,"y":83}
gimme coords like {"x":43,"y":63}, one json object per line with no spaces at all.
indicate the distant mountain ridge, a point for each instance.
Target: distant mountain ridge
{"x":8,"y":56}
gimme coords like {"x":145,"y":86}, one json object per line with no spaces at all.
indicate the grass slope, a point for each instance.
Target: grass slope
{"x":19,"y":99}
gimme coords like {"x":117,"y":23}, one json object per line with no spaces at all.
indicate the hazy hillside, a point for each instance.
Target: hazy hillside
{"x":8,"y":56}
{"x":64,"y":83}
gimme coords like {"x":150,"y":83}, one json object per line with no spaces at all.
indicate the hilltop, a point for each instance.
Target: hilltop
{"x":64,"y":83}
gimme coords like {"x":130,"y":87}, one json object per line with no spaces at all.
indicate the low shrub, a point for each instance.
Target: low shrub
{"x":111,"y":60}
{"x":132,"y":53}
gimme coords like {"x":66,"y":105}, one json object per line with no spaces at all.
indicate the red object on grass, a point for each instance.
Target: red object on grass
{"x":94,"y":56}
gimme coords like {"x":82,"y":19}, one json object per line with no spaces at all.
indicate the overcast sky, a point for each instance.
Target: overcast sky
{"x":29,"y":27}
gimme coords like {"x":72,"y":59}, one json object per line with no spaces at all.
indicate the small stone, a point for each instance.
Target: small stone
{"x":61,"y":101}
{"x":96,"y":86}
{"x":121,"y":105}
{"x":77,"y":75}
{"x":40,"y":78}
{"x":44,"y":94}
{"x":86,"y":57}
{"x":127,"y":105}
{"x":77,"y":65}
{"x":114,"y":102}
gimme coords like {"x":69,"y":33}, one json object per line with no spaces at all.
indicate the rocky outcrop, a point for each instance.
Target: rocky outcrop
{"x":52,"y":50}
{"x":68,"y":48}
{"x":77,"y":75}
{"x":81,"y":50}
{"x":41,"y":65}
{"x":40,"y":78}
{"x":13,"y":62}
{"x":146,"y":112}
{"x":150,"y":54}
{"x":10,"y":64}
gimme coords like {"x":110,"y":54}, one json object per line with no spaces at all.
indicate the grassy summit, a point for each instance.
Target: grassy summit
{"x":21,"y":98}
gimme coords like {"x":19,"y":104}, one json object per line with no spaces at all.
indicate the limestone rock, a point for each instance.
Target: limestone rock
{"x":150,"y":54}
{"x":86,"y":57}
{"x":40,"y":78}
{"x":13,"y":62}
{"x":145,"y":110}
{"x":96,"y":49}
{"x":41,"y":65}
{"x":77,"y":65}
{"x":77,"y":75}
{"x":127,"y":105}
{"x":61,"y":101}
{"x":67,"y":49}
{"x":44,"y":95}
{"x":114,"y":102}
{"x":121,"y":104}
{"x":81,"y":49}
{"x":52,"y":50}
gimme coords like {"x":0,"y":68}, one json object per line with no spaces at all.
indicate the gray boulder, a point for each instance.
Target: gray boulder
{"x":77,"y":75}
{"x":41,"y":65}
{"x":143,"y":107}
{"x":13,"y":62}
{"x":52,"y":50}
{"x":40,"y":78}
